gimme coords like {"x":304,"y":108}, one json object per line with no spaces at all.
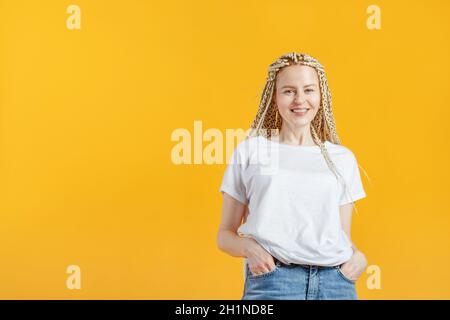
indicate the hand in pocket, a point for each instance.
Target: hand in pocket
{"x":259,"y":260}
{"x":353,"y":268}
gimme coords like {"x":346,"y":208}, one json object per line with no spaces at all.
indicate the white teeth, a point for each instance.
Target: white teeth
{"x":299,"y":110}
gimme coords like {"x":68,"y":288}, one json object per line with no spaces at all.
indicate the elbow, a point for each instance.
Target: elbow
{"x":219,"y":241}
{"x":223,"y":240}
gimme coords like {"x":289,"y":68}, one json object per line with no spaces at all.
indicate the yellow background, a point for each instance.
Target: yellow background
{"x":87,"y":115}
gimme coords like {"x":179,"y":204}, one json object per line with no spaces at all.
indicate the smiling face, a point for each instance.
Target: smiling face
{"x":297,"y":95}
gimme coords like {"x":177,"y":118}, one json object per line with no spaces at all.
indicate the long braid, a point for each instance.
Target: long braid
{"x":323,"y":127}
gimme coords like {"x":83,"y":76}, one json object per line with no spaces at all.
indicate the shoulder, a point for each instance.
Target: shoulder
{"x":243,"y":149}
{"x":340,"y":150}
{"x":249,"y":143}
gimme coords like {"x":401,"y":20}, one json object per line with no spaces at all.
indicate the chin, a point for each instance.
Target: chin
{"x":301,"y":122}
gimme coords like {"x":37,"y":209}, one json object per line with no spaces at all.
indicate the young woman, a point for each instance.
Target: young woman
{"x":296,"y":205}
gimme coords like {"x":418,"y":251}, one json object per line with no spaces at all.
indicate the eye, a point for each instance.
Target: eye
{"x":309,"y":90}
{"x":288,"y":91}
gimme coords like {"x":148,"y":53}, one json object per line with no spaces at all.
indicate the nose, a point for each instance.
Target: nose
{"x":299,"y":99}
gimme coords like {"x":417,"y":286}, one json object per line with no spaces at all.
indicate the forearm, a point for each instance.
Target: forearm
{"x":355,"y":249}
{"x":231,"y":243}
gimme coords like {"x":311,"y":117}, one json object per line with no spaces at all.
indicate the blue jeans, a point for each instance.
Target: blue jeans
{"x":299,"y":282}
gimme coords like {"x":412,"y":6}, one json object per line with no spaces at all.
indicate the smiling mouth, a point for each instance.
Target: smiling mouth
{"x":300,"y":111}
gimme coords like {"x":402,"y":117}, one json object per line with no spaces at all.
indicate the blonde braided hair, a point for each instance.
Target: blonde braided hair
{"x":323,"y":127}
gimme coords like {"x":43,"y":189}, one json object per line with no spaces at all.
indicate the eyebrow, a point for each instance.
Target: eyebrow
{"x":306,"y":85}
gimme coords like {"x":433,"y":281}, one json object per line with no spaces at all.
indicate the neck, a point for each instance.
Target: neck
{"x":296,"y":136}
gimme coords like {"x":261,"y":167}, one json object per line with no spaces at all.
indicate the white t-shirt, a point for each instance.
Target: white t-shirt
{"x":293,"y":198}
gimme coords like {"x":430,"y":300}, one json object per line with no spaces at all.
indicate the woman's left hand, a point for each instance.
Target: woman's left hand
{"x":354,"y":267}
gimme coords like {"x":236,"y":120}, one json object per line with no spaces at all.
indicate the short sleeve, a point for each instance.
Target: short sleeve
{"x":355,"y":189}
{"x":232,"y":181}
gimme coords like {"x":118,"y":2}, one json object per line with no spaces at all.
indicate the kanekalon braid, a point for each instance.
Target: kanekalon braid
{"x":323,"y":127}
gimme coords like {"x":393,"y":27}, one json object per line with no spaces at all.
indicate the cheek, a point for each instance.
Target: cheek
{"x":315,"y":100}
{"x":284,"y":100}
{"x":284,"y":103}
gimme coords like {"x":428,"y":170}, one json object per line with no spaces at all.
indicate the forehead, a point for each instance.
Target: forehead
{"x":297,"y":74}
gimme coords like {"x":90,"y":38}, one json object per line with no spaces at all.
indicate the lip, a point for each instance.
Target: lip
{"x":300,"y":114}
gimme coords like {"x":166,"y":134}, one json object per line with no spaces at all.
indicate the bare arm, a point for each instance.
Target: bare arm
{"x":357,"y":263}
{"x":227,"y":238}
{"x":346,"y":221}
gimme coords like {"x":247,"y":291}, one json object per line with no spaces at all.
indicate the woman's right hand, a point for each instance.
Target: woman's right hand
{"x":259,"y":260}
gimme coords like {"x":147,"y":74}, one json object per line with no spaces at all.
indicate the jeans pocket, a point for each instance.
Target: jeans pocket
{"x":263,"y":275}
{"x":343,"y":276}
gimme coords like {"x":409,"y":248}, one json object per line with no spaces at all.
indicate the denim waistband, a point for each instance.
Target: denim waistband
{"x":307,"y":266}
